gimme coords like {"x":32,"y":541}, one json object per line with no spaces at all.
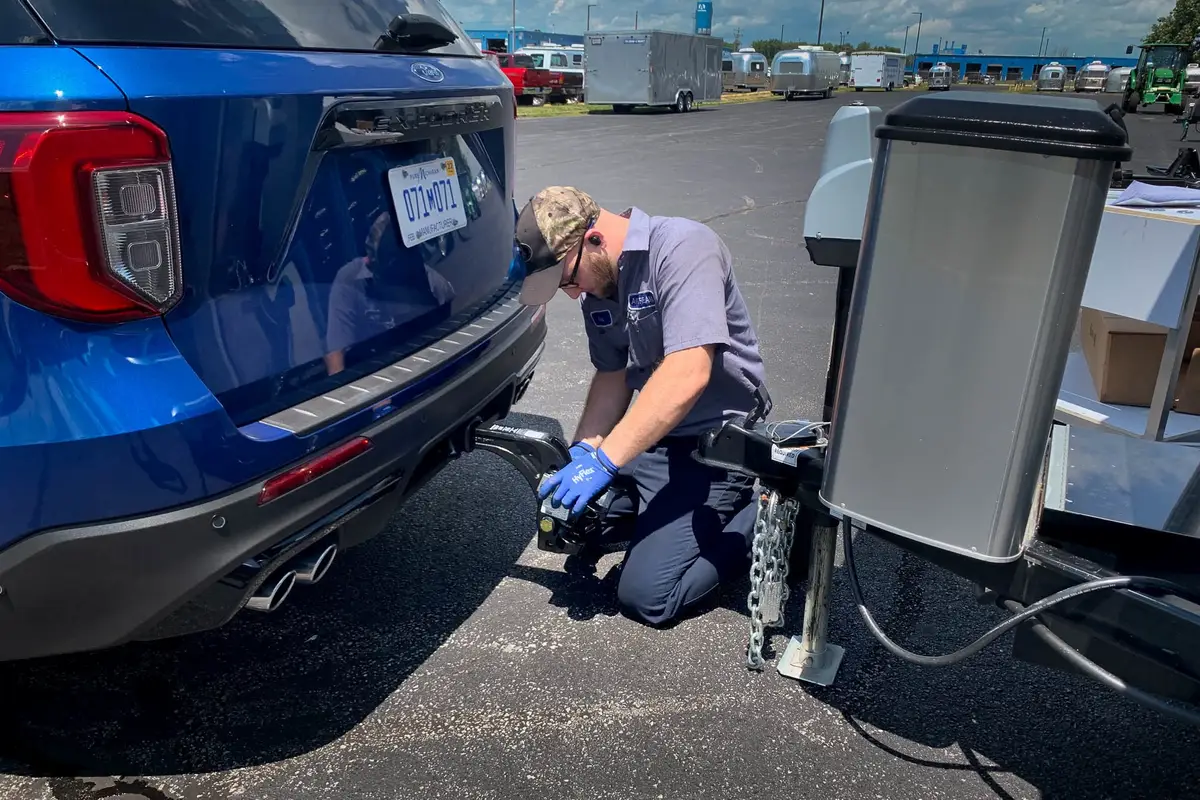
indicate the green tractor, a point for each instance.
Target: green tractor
{"x":1158,"y":78}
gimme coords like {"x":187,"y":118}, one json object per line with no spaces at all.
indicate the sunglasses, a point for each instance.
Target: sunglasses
{"x":570,"y":282}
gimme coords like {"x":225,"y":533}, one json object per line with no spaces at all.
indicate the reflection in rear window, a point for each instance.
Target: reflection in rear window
{"x":257,"y":24}
{"x":17,"y":27}
{"x":523,"y":61}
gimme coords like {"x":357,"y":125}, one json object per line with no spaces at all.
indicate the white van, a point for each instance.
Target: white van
{"x":560,"y":58}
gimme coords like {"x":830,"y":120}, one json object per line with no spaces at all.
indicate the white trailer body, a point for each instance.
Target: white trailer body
{"x":876,"y":71}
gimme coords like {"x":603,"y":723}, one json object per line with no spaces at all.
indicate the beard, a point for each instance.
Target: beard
{"x":604,"y":270}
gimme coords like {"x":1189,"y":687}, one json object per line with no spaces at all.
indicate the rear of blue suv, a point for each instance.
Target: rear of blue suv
{"x":256,"y":286}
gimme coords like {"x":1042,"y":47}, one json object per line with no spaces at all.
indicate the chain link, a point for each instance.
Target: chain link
{"x":774,"y":532}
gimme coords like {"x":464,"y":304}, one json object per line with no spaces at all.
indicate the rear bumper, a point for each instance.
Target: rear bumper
{"x":86,"y":588}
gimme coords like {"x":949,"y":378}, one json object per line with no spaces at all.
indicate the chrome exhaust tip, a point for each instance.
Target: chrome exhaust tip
{"x":311,"y":567}
{"x":271,"y":594}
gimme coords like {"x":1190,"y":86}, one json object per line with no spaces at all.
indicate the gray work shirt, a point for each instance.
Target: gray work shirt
{"x":676,"y":290}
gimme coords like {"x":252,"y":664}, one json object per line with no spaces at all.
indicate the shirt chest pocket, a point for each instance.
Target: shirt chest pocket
{"x":645,"y":338}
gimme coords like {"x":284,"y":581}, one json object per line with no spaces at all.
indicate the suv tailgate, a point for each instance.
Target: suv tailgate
{"x":340,"y":207}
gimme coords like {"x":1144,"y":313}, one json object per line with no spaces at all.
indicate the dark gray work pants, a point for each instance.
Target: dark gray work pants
{"x":689,"y":528}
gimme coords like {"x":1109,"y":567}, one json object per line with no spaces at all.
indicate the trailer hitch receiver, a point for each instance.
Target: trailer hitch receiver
{"x":537,"y":456}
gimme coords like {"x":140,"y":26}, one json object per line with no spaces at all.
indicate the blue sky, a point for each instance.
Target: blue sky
{"x":995,"y":26}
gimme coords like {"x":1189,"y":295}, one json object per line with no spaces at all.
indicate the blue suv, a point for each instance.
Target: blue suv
{"x":257,"y":286}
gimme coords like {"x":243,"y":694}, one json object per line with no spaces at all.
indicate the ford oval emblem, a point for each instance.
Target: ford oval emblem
{"x":428,"y":72}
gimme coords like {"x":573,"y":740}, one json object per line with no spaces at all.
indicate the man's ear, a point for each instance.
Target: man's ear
{"x":595,"y":238}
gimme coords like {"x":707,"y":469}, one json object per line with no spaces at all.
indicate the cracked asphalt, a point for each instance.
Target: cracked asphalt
{"x":450,"y":658}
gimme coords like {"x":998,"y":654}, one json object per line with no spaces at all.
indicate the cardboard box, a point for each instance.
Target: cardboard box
{"x":1187,"y":390}
{"x":1123,"y":356}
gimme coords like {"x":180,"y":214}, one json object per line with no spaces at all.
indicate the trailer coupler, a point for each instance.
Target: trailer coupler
{"x":537,"y":456}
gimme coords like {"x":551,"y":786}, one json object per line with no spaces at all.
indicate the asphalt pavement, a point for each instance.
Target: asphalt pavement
{"x":450,"y":658}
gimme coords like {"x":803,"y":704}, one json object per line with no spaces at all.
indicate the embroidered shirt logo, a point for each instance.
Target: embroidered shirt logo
{"x":640,"y":301}
{"x":602,"y":318}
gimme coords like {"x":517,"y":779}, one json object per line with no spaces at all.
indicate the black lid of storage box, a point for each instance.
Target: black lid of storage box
{"x":1052,"y":126}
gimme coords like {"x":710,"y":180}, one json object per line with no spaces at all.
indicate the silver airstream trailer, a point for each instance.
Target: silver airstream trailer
{"x":1118,"y":80}
{"x":1092,"y":77}
{"x":1052,"y":78}
{"x":1191,"y":80}
{"x":806,"y":70}
{"x":746,"y":69}
{"x":844,"y":74}
{"x":940,"y":77}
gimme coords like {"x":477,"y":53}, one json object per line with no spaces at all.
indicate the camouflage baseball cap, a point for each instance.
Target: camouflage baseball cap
{"x":549,"y":228}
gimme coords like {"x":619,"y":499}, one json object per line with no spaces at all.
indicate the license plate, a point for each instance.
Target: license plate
{"x":428,"y":201}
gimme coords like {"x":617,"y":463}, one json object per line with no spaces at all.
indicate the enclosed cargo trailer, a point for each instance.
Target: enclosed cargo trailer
{"x":876,"y":70}
{"x":652,"y":68}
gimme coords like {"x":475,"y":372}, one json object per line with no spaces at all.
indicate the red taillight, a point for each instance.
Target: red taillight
{"x":311,"y":470}
{"x":88,"y":226}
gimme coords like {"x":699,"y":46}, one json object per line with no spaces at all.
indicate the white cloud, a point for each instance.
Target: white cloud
{"x":994,"y":26}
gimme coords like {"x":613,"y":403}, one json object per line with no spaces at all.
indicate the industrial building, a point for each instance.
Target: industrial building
{"x":1010,"y":68}
{"x":500,"y":40}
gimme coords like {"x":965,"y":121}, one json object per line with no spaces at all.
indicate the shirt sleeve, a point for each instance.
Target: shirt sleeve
{"x":608,"y":344}
{"x":343,"y":302}
{"x":691,"y":293}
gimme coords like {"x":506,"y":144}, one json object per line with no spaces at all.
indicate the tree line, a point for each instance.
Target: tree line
{"x":1180,"y":26}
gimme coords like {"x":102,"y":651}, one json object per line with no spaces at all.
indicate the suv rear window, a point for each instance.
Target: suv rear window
{"x":17,"y":27}
{"x":352,"y":25}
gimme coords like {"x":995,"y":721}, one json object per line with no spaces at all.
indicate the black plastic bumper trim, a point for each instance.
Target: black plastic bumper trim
{"x":87,"y":588}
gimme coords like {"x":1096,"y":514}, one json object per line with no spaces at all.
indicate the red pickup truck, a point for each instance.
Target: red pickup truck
{"x":531,"y":85}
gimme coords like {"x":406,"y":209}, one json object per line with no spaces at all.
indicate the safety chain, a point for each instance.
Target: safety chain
{"x":774,"y":531}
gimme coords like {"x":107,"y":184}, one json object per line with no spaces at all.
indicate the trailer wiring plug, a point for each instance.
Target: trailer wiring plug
{"x":796,"y":433}
{"x":1026,"y":613}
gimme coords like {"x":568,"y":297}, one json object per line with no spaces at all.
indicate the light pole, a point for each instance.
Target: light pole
{"x":635,"y":18}
{"x":917,"y":44}
{"x":589,"y":15}
{"x":1042,"y":42}
{"x":781,"y":34}
{"x":820,"y":23}
{"x":512,"y":46}
{"x":904,"y":49}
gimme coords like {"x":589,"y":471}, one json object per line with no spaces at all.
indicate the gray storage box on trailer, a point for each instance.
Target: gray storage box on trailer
{"x":652,"y":68}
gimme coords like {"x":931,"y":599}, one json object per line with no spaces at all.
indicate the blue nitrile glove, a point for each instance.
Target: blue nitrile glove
{"x":581,"y":449}
{"x":580,"y":482}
